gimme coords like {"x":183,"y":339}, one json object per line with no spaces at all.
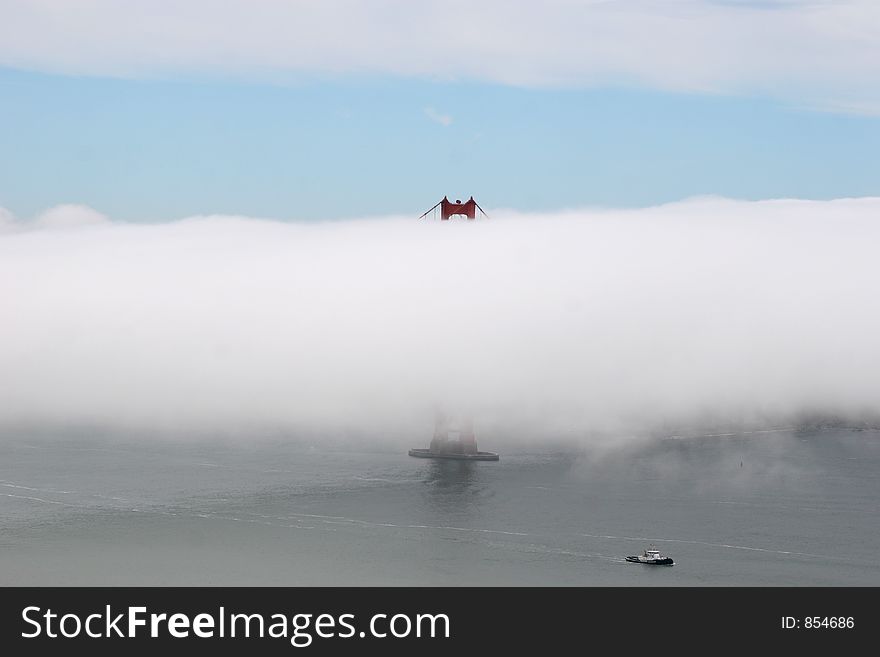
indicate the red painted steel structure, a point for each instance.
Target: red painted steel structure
{"x":449,"y":209}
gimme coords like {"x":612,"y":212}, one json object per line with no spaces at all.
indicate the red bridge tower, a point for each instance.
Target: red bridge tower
{"x":449,"y":209}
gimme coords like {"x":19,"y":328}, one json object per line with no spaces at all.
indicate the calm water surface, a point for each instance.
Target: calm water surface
{"x":780,"y":508}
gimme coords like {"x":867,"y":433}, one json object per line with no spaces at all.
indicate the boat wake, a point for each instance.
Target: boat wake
{"x":718,"y":545}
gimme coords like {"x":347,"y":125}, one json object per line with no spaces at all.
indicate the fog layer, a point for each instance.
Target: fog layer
{"x":579,"y":322}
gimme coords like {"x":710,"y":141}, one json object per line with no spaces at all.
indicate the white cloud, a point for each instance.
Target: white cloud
{"x":825,"y":52}
{"x":60,"y":216}
{"x":443,"y":119}
{"x":7,"y":219}
{"x":578,"y":321}
{"x":69,"y":216}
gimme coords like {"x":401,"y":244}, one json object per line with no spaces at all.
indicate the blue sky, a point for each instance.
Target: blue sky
{"x":195,"y":138}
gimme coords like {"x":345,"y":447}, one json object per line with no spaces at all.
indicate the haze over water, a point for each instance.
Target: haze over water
{"x":770,"y":508}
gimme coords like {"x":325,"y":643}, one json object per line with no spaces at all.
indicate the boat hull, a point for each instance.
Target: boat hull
{"x":453,"y":456}
{"x":665,"y":561}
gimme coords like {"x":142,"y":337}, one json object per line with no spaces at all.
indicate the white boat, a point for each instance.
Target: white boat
{"x":652,"y":557}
